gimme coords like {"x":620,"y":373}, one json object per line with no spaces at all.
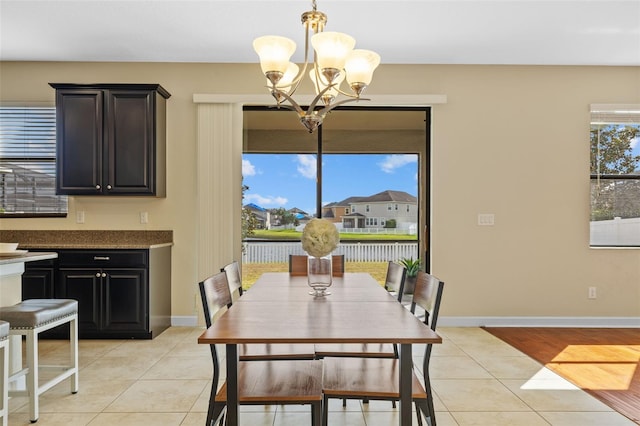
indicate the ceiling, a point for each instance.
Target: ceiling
{"x":543,"y":32}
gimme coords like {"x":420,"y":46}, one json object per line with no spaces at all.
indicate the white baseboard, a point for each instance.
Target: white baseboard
{"x":585,"y":322}
{"x":184,"y":321}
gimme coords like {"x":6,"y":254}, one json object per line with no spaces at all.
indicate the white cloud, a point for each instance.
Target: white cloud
{"x":634,"y":142}
{"x":268,"y":201}
{"x":307,"y":165}
{"x":248,"y":169}
{"x":392,"y":162}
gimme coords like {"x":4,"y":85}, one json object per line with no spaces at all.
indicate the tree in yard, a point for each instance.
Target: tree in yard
{"x":612,"y":154}
{"x":249,"y":220}
{"x":285,"y":217}
{"x":611,"y":149}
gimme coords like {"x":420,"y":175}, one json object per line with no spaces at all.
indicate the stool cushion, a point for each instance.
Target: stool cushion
{"x":32,"y":313}
{"x":4,"y":329}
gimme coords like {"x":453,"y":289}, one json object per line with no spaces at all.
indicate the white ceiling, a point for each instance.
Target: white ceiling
{"x":543,"y":32}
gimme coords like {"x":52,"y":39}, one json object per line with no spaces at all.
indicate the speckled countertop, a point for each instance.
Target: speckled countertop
{"x":47,"y":239}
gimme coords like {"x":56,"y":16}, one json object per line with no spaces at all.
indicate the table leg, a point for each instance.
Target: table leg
{"x":406,"y":365}
{"x":232,"y":385}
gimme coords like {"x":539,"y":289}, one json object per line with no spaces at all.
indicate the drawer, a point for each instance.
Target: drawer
{"x":103,"y":258}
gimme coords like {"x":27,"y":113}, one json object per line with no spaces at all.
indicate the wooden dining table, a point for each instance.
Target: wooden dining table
{"x":279,"y":309}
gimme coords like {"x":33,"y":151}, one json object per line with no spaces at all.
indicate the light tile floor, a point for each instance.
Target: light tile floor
{"x":477,"y":380}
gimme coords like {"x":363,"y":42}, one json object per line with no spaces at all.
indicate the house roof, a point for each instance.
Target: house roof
{"x":255,"y":207}
{"x":391,"y":196}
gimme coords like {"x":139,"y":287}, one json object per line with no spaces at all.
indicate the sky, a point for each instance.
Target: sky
{"x":289,"y":180}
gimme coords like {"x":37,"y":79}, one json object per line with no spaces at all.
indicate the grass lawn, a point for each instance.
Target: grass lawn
{"x":251,"y":271}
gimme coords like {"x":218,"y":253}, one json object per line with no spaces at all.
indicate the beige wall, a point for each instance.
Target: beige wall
{"x":510,"y":140}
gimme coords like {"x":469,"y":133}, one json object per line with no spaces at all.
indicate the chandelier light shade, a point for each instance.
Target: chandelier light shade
{"x":274,"y":52}
{"x":334,"y":60}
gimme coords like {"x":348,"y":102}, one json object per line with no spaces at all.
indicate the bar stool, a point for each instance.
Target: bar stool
{"x":4,"y":371}
{"x":29,"y":318}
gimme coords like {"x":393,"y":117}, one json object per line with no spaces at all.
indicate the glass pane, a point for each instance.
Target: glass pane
{"x":284,"y":182}
{"x":615,"y":149}
{"x":615,"y":212}
{"x":359,"y":188}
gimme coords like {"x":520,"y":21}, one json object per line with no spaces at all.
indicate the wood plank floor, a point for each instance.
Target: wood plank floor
{"x":605,"y":362}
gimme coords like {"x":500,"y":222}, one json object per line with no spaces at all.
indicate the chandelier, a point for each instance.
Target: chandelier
{"x":334,"y":60}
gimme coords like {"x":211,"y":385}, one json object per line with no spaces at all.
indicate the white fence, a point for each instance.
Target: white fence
{"x":271,"y":252}
{"x":616,"y":232}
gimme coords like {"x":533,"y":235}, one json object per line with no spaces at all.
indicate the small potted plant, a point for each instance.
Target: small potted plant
{"x":412,"y":266}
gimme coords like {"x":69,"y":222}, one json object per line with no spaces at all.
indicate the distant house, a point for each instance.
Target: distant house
{"x":262,"y":215}
{"x":334,"y":212}
{"x":374,"y":211}
{"x":300,"y":216}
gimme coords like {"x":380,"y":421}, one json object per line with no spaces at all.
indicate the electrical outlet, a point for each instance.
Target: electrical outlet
{"x":144,"y":217}
{"x":80,"y":216}
{"x":592,"y":293}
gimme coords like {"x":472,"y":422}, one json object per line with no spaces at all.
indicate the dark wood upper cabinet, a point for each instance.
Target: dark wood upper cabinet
{"x":111,"y":139}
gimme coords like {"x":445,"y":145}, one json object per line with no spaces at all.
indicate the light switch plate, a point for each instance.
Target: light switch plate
{"x":486,"y":219}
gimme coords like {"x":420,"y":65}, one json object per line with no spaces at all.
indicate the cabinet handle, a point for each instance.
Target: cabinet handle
{"x":97,"y":186}
{"x":104,"y":274}
{"x":109,"y":187}
{"x":97,"y":274}
{"x":101,"y":258}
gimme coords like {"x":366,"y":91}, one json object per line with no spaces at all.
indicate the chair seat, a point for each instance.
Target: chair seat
{"x":4,"y":330}
{"x":33,"y":313}
{"x":249,"y":352}
{"x":363,"y":350}
{"x":373,"y":378}
{"x":288,"y":381}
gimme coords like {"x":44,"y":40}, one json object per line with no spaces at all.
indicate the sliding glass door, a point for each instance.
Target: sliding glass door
{"x":365,"y":169}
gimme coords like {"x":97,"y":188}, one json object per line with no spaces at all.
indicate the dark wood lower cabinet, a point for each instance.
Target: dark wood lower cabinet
{"x":38,"y":279}
{"x":109,"y":300}
{"x":120,"y":293}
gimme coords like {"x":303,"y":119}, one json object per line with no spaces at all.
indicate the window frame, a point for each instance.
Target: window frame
{"x":611,"y":115}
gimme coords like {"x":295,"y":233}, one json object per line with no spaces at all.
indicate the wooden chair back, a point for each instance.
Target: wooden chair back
{"x":298,"y":265}
{"x":394,"y":281}
{"x":234,"y":278}
{"x":428,"y":295}
{"x":215,"y":295}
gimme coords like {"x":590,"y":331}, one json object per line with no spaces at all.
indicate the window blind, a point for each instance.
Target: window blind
{"x":28,"y":163}
{"x":615,"y":114}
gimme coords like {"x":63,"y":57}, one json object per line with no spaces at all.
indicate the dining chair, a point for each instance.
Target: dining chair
{"x":298,"y":265}
{"x":378,"y":378}
{"x":234,"y":278}
{"x":394,"y":282}
{"x":262,"y":351}
{"x":291,"y":382}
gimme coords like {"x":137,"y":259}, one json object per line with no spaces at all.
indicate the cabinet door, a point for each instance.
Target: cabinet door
{"x":37,"y":283}
{"x":125,"y":300}
{"x":79,"y":141}
{"x":130,"y":165}
{"x":83,"y":285}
